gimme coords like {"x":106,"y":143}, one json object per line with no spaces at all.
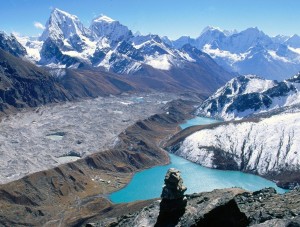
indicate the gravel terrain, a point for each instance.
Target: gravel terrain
{"x":39,"y":139}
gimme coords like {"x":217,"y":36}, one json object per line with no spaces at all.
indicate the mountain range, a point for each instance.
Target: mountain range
{"x":84,"y":59}
{"x":106,"y":44}
{"x":244,"y":96}
{"x":248,"y":52}
{"x":111,"y":46}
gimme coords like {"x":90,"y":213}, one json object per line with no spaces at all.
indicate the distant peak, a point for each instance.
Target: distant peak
{"x":295,"y":36}
{"x":138,"y":33}
{"x":211,"y":28}
{"x":59,"y":12}
{"x":253,"y":29}
{"x":104,"y":18}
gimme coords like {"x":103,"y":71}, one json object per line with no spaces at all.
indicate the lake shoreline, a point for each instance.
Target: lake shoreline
{"x":68,"y":186}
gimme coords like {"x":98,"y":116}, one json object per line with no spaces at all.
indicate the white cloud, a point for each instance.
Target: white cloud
{"x":39,"y":25}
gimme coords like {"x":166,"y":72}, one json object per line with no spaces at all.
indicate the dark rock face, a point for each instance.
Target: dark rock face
{"x":225,"y":207}
{"x":22,"y":84}
{"x":253,"y":101}
{"x":51,"y":53}
{"x":295,"y":79}
{"x":127,"y":49}
{"x":266,"y":205}
{"x":173,"y":203}
{"x":11,"y":45}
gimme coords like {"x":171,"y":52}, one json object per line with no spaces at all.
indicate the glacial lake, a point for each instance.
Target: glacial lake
{"x":198,"y":121}
{"x":147,"y":184}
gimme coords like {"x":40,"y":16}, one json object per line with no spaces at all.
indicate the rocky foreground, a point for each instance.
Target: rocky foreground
{"x":225,"y":207}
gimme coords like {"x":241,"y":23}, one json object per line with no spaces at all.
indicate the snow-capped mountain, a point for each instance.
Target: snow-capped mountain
{"x":66,"y":31}
{"x":246,"y":95}
{"x":113,"y":30}
{"x":107,"y":44}
{"x":293,"y":41}
{"x":268,"y":147}
{"x":10,"y":44}
{"x":65,"y":41}
{"x":248,"y":52}
{"x":112,"y":47}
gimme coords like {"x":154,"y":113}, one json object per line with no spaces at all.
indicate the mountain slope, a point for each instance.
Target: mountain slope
{"x":10,"y":44}
{"x":94,"y":83}
{"x":264,"y":142}
{"x":246,"y":95}
{"x":267,"y":147}
{"x":23,"y":84}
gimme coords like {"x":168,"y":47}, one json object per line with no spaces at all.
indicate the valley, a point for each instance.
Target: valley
{"x":94,"y":113}
{"x":45,"y":137}
{"x":79,"y":189}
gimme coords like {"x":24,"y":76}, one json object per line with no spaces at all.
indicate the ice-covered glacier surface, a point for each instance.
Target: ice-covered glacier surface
{"x":45,"y":137}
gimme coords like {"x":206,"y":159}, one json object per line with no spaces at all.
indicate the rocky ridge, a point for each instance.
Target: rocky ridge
{"x":25,"y":85}
{"x":247,"y":96}
{"x":11,"y":45}
{"x":222,"y":207}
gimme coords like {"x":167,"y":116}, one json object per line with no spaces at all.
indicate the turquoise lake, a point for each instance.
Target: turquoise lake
{"x":198,"y":121}
{"x":148,"y":184}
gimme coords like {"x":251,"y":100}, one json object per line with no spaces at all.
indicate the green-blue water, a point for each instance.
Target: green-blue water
{"x":198,"y":121}
{"x":148,"y":183}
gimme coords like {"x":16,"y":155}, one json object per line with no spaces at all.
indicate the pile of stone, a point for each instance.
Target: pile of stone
{"x":173,"y":203}
{"x":173,"y":188}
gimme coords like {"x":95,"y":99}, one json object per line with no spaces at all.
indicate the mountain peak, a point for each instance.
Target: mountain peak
{"x":293,"y":41}
{"x":211,"y":29}
{"x":104,"y":18}
{"x":65,"y":30}
{"x":58,"y":13}
{"x":104,"y":26}
{"x":254,"y":31}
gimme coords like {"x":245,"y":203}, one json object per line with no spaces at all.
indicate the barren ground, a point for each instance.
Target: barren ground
{"x":35,"y":140}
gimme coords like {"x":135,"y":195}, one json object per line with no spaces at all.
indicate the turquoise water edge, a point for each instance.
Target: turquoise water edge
{"x":198,"y":121}
{"x":148,"y":184}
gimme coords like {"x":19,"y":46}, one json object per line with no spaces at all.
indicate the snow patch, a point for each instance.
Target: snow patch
{"x":258,"y":85}
{"x":159,"y":62}
{"x":261,"y":151}
{"x":104,"y":18}
{"x":214,"y":53}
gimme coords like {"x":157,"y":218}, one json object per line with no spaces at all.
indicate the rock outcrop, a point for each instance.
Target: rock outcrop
{"x":221,"y":207}
{"x":173,"y":203}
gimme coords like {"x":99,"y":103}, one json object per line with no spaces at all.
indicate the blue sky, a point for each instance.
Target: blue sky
{"x":164,"y":17}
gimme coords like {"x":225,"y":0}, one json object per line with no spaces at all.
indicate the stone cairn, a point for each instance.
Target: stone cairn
{"x":173,"y":199}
